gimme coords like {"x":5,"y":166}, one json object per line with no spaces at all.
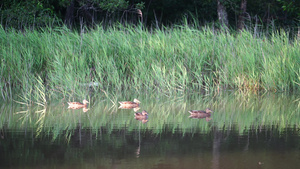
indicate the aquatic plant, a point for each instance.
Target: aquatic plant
{"x":167,"y":60}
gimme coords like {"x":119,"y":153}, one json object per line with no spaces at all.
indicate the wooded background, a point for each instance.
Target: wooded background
{"x":231,"y":13}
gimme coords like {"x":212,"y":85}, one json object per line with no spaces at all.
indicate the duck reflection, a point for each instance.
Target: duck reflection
{"x":141,"y":116}
{"x":79,"y":105}
{"x":201,"y":114}
{"x":135,"y":109}
{"x":138,"y":150}
{"x":85,"y":109}
{"x":135,"y":105}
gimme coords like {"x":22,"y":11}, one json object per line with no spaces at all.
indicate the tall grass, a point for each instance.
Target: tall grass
{"x":169,"y":60}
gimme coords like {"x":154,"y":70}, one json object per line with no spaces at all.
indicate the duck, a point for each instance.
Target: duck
{"x":200,"y":113}
{"x":130,"y":104}
{"x":78,"y":105}
{"x":141,"y":115}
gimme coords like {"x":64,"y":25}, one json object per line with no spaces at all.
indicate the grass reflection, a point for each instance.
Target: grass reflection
{"x":230,"y":109}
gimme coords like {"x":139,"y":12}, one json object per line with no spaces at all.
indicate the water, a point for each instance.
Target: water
{"x":245,"y":131}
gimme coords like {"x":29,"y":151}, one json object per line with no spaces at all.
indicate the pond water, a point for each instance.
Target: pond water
{"x":244,"y":131}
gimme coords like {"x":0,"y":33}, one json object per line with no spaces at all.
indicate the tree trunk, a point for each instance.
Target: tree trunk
{"x":298,"y":35}
{"x":222,"y":14}
{"x":69,"y":17}
{"x":241,"y":18}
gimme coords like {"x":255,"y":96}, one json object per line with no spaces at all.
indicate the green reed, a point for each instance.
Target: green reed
{"x":169,"y":60}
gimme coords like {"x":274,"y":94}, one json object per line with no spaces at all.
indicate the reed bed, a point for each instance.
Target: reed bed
{"x":178,"y":59}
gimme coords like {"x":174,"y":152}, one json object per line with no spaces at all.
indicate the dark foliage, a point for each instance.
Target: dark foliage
{"x":40,"y":13}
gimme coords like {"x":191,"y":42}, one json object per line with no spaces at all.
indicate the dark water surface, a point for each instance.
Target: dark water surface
{"x":243,"y":132}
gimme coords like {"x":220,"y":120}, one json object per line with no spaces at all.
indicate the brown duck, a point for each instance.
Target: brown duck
{"x":130,"y":104}
{"x":78,"y":105}
{"x":200,"y":113}
{"x":141,"y":115}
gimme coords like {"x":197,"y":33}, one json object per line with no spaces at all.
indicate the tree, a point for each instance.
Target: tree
{"x":30,"y":14}
{"x":292,"y":7}
{"x":222,"y":14}
{"x":90,"y":10}
{"x":69,"y":17}
{"x":241,"y":18}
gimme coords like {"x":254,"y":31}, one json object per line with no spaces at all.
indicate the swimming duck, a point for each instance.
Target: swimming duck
{"x":77,"y":105}
{"x":130,"y":104}
{"x":141,"y":116}
{"x":200,"y":113}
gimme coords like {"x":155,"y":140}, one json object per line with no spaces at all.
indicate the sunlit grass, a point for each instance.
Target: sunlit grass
{"x":125,"y":58}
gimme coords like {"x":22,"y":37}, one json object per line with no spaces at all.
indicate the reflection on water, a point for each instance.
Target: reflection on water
{"x":135,"y":109}
{"x":242,"y":132}
{"x":144,"y":149}
{"x":84,"y":109}
{"x":141,"y":116}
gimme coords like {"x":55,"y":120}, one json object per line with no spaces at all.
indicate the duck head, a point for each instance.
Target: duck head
{"x":85,"y":101}
{"x":208,"y":110}
{"x":136,"y":101}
